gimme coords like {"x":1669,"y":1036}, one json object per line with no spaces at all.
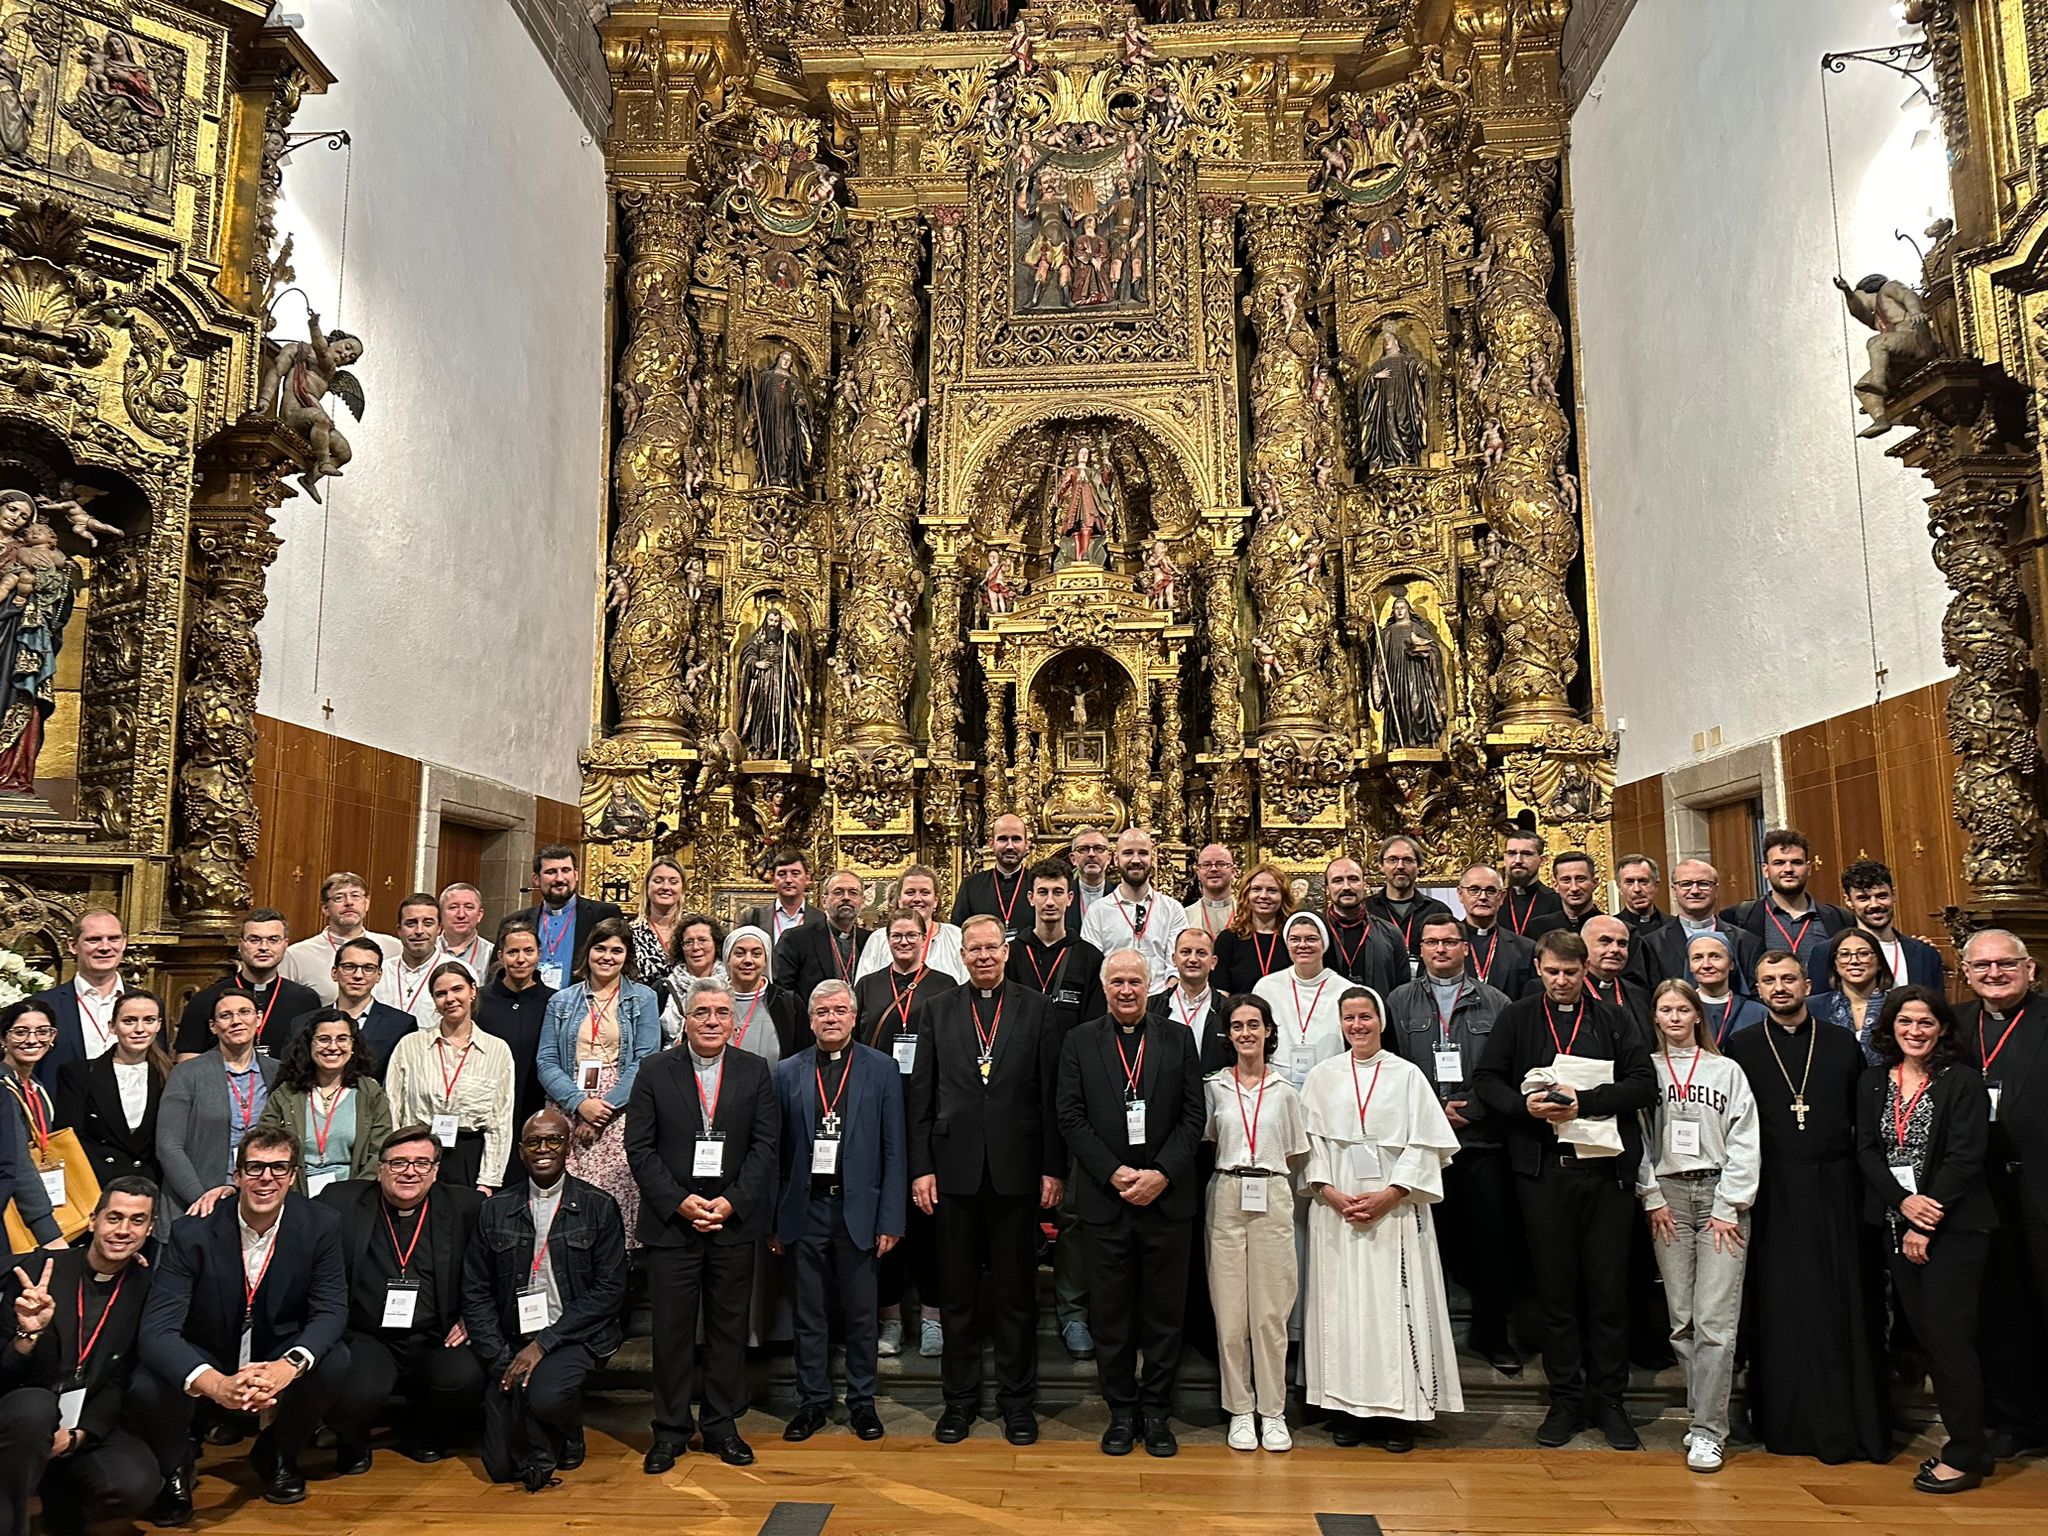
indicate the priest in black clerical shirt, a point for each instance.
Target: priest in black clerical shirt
{"x":1503,"y":960}
{"x":999,"y":892}
{"x":827,"y":951}
{"x":1363,"y":948}
{"x":1531,"y":908}
{"x":1399,"y":903}
{"x":1065,"y":969}
{"x":403,"y":1241}
{"x":280,"y":1003}
{"x":1636,"y":876}
{"x":1610,"y":975}
{"x":1815,"y":1315}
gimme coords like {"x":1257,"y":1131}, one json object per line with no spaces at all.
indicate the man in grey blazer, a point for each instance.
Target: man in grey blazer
{"x":209,"y":1104}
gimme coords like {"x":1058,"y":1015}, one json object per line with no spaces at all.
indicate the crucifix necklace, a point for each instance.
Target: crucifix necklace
{"x":1799,"y":1105}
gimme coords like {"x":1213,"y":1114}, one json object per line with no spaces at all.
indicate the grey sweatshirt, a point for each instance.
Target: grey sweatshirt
{"x":1709,"y":1091}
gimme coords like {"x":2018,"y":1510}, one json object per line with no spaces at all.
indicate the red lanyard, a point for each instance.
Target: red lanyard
{"x":275,"y":987}
{"x":1304,"y":1015}
{"x":1563,"y":1046}
{"x":902,"y":997}
{"x":988,"y":1037}
{"x":1520,"y":922}
{"x":831,"y":1106}
{"x":1684,"y":1092}
{"x":1006,"y":907}
{"x":1365,"y":1100}
{"x":409,"y":1003}
{"x":1132,"y":1071}
{"x":597,"y":1015}
{"x":1350,"y":956}
{"x":467,"y":958}
{"x":251,"y":1287}
{"x":1251,"y":1126}
{"x":1616,"y":1001}
{"x":1900,"y":1117}
{"x":462,"y":1060}
{"x":405,"y":1258}
{"x":246,"y":1105}
{"x":1188,"y":1016}
{"x":1202,"y":909}
{"x":843,"y":963}
{"x":102,"y":1027}
{"x":1046,"y":983}
{"x":1137,"y":929}
{"x":548,"y":940}
{"x":85,"y":1345}
{"x":1492,"y":948}
{"x":782,"y":922}
{"x":1268,"y":955}
{"x":540,"y":1254}
{"x":739,"y":1036}
{"x":31,"y":1101}
{"x":1792,"y":941}
{"x":710,"y":1105}
{"x":1727,"y":1018}
{"x":321,"y":1131}
{"x":2011,"y":1024}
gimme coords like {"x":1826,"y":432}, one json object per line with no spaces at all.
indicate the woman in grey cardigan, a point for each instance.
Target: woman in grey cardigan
{"x":210,"y":1103}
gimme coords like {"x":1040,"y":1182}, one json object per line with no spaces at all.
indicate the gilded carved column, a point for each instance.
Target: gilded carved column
{"x":241,"y":481}
{"x":655,"y":640}
{"x":1171,"y":813}
{"x":1519,"y":491}
{"x":948,"y":589}
{"x":1230,"y":791}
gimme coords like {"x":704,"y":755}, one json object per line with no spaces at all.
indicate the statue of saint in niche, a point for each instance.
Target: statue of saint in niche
{"x":1081,"y":499}
{"x":38,"y":584}
{"x":1407,"y":681}
{"x":1393,"y":407}
{"x":779,"y":423}
{"x":771,"y":689}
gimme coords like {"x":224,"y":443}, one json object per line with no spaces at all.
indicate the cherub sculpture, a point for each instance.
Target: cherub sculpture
{"x":297,"y":383}
{"x":996,"y":589}
{"x":618,"y":591}
{"x":1492,"y":447}
{"x":69,"y":503}
{"x":1162,"y":577}
{"x":1020,"y":56}
{"x":1137,"y":47}
{"x":1904,"y":342}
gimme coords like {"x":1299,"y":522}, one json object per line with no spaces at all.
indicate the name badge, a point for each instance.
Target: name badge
{"x":551,"y":975}
{"x":315,"y":1182}
{"x":1685,"y":1138}
{"x":1134,"y":1121}
{"x":1903,"y":1172}
{"x":69,"y":1406}
{"x":1994,"y":1090}
{"x":709,"y":1161}
{"x":401,"y":1301}
{"x":1450,"y":1066}
{"x":1302,"y":1057}
{"x":589,"y":1073}
{"x":1414,"y":966}
{"x":445,"y":1128}
{"x":905,"y":1052}
{"x":533,"y":1309}
{"x":1251,"y":1194}
{"x":53,"y":1185}
{"x":1364,"y":1160}
{"x":825,"y":1155}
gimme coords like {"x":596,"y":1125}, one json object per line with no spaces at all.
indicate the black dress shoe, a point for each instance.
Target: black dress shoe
{"x":1021,"y":1428}
{"x":538,"y":1475}
{"x":1559,"y":1425}
{"x":954,"y":1426}
{"x":573,"y":1452}
{"x":1122,"y":1434}
{"x":1348,"y":1430}
{"x":808,"y":1421}
{"x":277,"y":1475}
{"x":1159,"y":1439}
{"x":2006,"y":1445}
{"x":1504,"y":1358}
{"x":173,"y":1506}
{"x":422,"y":1452}
{"x":1927,"y":1482}
{"x":661,"y":1457}
{"x":730,"y":1449}
{"x":865,"y":1423}
{"x":1397,"y":1435}
{"x":1612,"y":1421}
{"x":350,"y":1460}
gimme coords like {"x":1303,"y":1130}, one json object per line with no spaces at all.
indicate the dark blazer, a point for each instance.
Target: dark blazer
{"x":762,"y":916}
{"x":280,"y":1005}
{"x":194,"y":1316}
{"x":805,"y":958}
{"x":1503,"y":959}
{"x":1924,"y":965}
{"x":588,"y":915}
{"x":874,"y":996}
{"x":53,"y":1363}
{"x":1666,"y":949}
{"x":1210,"y":1033}
{"x":1007,"y":1128}
{"x":1521,"y":1040}
{"x":665,"y":1118}
{"x":2020,"y":1134}
{"x":1091,"y":1109}
{"x":515,"y":1018}
{"x":586,"y":1251}
{"x":1957,"y":1139}
{"x":61,"y":1003}
{"x":451,"y":1223}
{"x":89,"y":1101}
{"x":1372,"y":954}
{"x":873,"y":1169}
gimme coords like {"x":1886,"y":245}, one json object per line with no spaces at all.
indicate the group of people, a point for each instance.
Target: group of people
{"x":469,"y":1160}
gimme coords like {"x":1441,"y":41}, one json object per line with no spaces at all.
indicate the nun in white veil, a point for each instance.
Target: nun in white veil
{"x":1303,"y":998}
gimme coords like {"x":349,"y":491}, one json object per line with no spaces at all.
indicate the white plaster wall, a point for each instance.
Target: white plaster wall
{"x":443,"y":600}
{"x":1723,"y":464}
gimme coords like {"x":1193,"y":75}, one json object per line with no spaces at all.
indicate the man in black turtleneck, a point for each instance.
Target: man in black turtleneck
{"x":1363,"y":948}
{"x":1066,"y":970}
{"x":1504,"y":961}
{"x":999,"y":892}
{"x":1399,"y":902}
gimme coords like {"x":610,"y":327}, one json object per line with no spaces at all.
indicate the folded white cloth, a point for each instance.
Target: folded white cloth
{"x":1587,"y":1135}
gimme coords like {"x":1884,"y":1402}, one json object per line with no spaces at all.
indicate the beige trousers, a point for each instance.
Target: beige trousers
{"x":1253,"y":1277}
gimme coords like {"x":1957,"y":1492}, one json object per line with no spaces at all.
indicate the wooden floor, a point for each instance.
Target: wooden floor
{"x":906,"y":1485}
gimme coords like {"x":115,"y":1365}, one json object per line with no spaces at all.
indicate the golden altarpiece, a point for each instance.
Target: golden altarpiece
{"x":1106,"y":415}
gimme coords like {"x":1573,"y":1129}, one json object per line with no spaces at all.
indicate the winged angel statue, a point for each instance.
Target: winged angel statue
{"x":296,"y":385}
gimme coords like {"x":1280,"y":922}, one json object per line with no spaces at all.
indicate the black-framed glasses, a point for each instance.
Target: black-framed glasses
{"x":282,"y":1170}
{"x":411,"y":1164}
{"x":544,"y":1143}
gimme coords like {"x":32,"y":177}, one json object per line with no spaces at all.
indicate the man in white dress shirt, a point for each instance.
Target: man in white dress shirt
{"x":345,"y":903}
{"x":404,"y":983}
{"x":1134,"y":915}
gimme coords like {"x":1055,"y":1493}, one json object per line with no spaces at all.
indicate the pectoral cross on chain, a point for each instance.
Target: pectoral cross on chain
{"x":1799,"y":1109}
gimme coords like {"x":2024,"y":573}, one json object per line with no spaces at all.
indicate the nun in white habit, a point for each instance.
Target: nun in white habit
{"x":1303,"y":998}
{"x":1376,"y":1344}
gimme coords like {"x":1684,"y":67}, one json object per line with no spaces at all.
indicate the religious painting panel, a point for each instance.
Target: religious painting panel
{"x":1408,"y":667}
{"x":1082,"y":236}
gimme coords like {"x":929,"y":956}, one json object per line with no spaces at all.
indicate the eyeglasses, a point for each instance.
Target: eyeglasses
{"x":358,"y":967}
{"x":1695,"y":885}
{"x":544,"y":1143}
{"x":284,"y":1170}
{"x":1983,"y":967}
{"x":411,"y":1164}
{"x":31,"y":1034}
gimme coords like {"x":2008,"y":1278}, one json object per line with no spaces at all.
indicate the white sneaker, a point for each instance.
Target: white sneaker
{"x":931,"y":1340}
{"x":1703,"y":1455}
{"x":1273,"y":1435}
{"x":1244,"y":1433}
{"x":889,"y":1338}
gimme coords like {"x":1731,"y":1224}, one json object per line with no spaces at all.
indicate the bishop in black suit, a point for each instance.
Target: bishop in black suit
{"x":826,"y":949}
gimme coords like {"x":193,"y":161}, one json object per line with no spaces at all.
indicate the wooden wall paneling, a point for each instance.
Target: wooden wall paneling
{"x":1922,"y":842}
{"x":555,"y":821}
{"x":1731,"y":847}
{"x":1810,"y":795}
{"x":1859,"y":810}
{"x":459,"y":854}
{"x":1639,"y":825}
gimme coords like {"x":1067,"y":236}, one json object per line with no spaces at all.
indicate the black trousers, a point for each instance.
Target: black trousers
{"x":1137,"y":1291}
{"x":1940,"y":1298}
{"x":715,"y":1281}
{"x":531,"y":1425}
{"x":112,"y":1480}
{"x":2013,"y":1321}
{"x":463,"y":1163}
{"x":1480,"y":1226}
{"x":988,"y":1258}
{"x":440,"y":1385}
{"x":164,"y":1412}
{"x":1577,"y":1219}
{"x":914,"y":1261}
{"x":831,"y":1270}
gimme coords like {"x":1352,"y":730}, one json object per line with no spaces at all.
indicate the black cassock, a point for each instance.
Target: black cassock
{"x":1815,"y":1305}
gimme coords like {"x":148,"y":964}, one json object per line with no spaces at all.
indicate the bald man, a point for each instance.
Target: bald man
{"x":999,"y":892}
{"x":1609,"y":976}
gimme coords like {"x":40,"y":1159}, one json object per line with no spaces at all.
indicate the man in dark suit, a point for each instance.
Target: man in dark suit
{"x":77,"y":1316}
{"x":1192,"y":1002}
{"x":828,"y":950}
{"x":985,"y":1159}
{"x":1531,"y":908}
{"x":790,"y":874}
{"x":403,"y":1238}
{"x":700,"y":1134}
{"x":1695,"y":893}
{"x":844,"y":1193}
{"x":2005,"y":1033}
{"x":1503,"y":960}
{"x":246,"y":1312}
{"x":999,"y":892}
{"x":1787,"y":917}
{"x":358,"y":967}
{"x":1869,"y":889}
{"x":561,"y":918}
{"x":280,"y":1002}
{"x":83,"y":1008}
{"x":1132,"y":1109}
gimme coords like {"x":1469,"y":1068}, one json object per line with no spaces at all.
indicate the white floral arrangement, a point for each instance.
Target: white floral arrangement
{"x":19,"y":979}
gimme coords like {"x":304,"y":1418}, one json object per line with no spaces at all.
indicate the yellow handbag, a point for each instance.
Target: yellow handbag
{"x":66,"y":1170}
